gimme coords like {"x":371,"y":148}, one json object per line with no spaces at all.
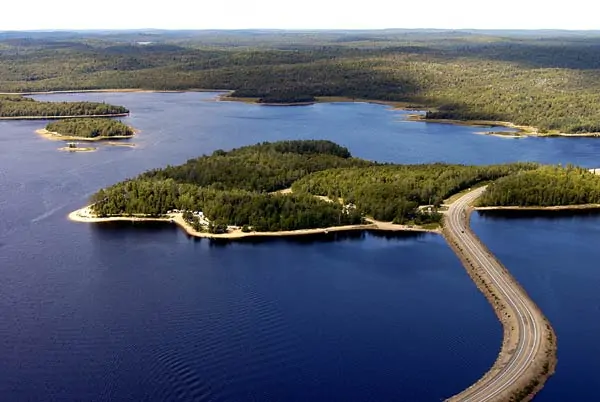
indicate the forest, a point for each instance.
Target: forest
{"x":90,"y":128}
{"x":550,"y":80}
{"x":545,"y":186}
{"x":241,"y":187}
{"x":265,"y":167}
{"x":20,"y":106}
{"x":395,"y":192}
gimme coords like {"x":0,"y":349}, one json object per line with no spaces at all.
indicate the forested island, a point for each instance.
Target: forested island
{"x":90,"y":129}
{"x":21,"y":107}
{"x":303,"y":185}
{"x":549,"y":81}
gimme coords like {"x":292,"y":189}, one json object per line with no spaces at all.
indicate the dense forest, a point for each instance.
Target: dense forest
{"x":241,"y":187}
{"x":236,"y":188}
{"x":90,"y":128}
{"x":260,"y":211}
{"x":265,"y":167}
{"x":550,"y":80}
{"x":395,"y":192}
{"x":20,"y":106}
{"x":545,"y":186}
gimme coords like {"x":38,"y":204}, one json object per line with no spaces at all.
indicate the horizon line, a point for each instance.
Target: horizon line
{"x":290,"y":29}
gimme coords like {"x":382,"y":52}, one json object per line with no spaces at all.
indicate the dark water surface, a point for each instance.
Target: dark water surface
{"x":556,"y":258}
{"x":142,"y":312}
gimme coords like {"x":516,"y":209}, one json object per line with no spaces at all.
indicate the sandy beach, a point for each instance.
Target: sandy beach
{"x":86,"y":215}
{"x":51,"y":135}
{"x":521,"y":130}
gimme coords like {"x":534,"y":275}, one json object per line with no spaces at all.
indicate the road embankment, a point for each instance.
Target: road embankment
{"x":527,"y":357}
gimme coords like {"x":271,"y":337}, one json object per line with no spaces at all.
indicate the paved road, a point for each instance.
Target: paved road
{"x":525,"y":331}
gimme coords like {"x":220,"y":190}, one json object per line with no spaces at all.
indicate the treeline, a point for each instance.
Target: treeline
{"x":286,"y":98}
{"x":552,"y":83}
{"x":264,"y":167}
{"x":395,"y":192}
{"x":18,"y":106}
{"x":545,"y":186}
{"x":90,"y":128}
{"x":260,"y":211}
{"x":234,"y":188}
{"x":240,"y":187}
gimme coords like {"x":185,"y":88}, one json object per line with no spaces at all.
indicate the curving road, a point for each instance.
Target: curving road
{"x":528,"y":350}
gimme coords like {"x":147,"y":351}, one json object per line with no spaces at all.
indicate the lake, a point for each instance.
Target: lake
{"x":142,"y":312}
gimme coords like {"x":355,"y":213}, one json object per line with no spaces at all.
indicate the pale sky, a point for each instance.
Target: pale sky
{"x":298,"y":14}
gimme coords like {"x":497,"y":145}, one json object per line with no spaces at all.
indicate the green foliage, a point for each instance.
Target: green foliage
{"x":394,"y":192}
{"x":545,"y":186}
{"x":237,"y":188}
{"x":264,"y":167}
{"x":90,"y":128}
{"x":261,"y":211}
{"x":532,"y":79}
{"x":232,"y":188}
{"x":19,"y":106}
{"x":288,"y":97}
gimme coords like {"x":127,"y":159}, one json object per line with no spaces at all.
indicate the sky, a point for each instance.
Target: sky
{"x":298,"y":14}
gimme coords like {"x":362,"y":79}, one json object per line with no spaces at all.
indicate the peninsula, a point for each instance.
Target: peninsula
{"x":240,"y":191}
{"x":87,"y":129}
{"x":293,"y":188}
{"x":16,"y":107}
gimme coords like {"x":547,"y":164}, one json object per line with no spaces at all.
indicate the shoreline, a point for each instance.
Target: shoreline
{"x":85,"y":116}
{"x":84,"y":215}
{"x":51,"y":135}
{"x":78,"y":149}
{"x":521,"y":130}
{"x":397,"y":105}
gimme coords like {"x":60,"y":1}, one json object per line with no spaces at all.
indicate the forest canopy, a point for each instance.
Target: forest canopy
{"x":20,"y":106}
{"x":549,"y":80}
{"x":90,"y":128}
{"x":545,"y":186}
{"x":395,"y":192}
{"x":242,"y":187}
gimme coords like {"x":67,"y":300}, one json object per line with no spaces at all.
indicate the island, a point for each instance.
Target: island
{"x":87,"y":129}
{"x":16,"y":107}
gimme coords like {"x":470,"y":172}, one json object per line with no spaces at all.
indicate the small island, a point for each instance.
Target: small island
{"x":74,"y":147}
{"x":87,"y":129}
{"x":16,"y":107}
{"x":305,"y":187}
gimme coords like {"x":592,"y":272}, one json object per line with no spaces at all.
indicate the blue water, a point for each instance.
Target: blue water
{"x":555,"y":257}
{"x":138,"y":312}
